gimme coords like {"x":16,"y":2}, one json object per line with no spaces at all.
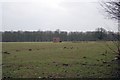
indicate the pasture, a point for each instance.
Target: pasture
{"x":58,"y":60}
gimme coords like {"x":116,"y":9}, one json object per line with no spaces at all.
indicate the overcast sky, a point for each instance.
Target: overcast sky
{"x":67,"y":15}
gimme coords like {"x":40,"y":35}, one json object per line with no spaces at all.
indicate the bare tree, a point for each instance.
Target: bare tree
{"x":112,"y":8}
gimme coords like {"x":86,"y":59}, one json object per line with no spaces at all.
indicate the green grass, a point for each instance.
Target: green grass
{"x":67,"y":59}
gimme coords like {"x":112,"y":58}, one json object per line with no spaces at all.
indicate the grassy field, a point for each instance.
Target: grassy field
{"x":58,"y":60}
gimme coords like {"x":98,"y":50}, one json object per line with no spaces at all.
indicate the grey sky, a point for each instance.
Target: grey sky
{"x":68,"y":15}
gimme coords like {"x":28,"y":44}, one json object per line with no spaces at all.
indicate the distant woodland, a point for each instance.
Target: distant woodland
{"x":47,"y":36}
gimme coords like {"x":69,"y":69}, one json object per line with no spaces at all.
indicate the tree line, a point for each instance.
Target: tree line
{"x":47,"y":36}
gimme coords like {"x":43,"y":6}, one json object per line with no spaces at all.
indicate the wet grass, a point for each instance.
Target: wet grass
{"x":58,"y":60}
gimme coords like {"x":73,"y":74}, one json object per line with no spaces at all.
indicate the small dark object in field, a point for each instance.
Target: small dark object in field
{"x":27,"y":67}
{"x":54,"y":62}
{"x":65,"y":70}
{"x":108,"y":65}
{"x":71,"y":47}
{"x":8,"y":66}
{"x":50,"y":76}
{"x":38,"y":49}
{"x":65,"y":64}
{"x":60,"y":41}
{"x":118,"y":69}
{"x":78,"y":74}
{"x":112,"y":75}
{"x":20,"y":65}
{"x":103,"y":54}
{"x":83,"y":64}
{"x":6,"y":52}
{"x":101,"y":65}
{"x":65,"y":47}
{"x":56,"y":65}
{"x":98,"y":60}
{"x":112,"y":60}
{"x":30,"y":49}
{"x":18,"y":69}
{"x":6,"y":77}
{"x":94,"y":64}
{"x":44,"y":77}
{"x":42,"y":73}
{"x":17,"y":50}
{"x":106,"y":51}
{"x":93,"y":73}
{"x":84,"y":57}
{"x":100,"y":71}
{"x":1,"y":64}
